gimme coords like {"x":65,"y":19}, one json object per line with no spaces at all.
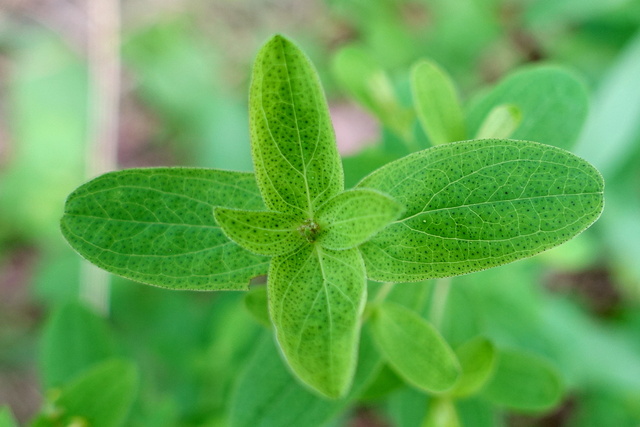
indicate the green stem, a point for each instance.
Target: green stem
{"x":439,"y":301}
{"x":380,"y":296}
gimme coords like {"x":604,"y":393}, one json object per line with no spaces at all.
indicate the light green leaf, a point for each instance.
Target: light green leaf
{"x":501,"y":122}
{"x":316,"y":298}
{"x":553,"y":103}
{"x":292,"y":140}
{"x":263,"y":233}
{"x":414,"y":348}
{"x":6,"y":418}
{"x":267,"y":395}
{"x":441,"y":413}
{"x":256,"y":302}
{"x":478,"y":204}
{"x":437,"y":103}
{"x":524,"y":382}
{"x":156,"y":226}
{"x":100,"y":397}
{"x":478,"y":359}
{"x":74,"y":339}
{"x":353,"y":216}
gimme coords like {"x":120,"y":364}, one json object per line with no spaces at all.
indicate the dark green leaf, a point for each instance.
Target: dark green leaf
{"x":477,"y":204}
{"x":353,"y":216}
{"x":414,"y":348}
{"x":316,"y":298}
{"x":292,"y":141}
{"x":156,"y":226}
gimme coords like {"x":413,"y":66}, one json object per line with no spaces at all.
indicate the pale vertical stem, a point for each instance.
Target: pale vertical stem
{"x":439,"y":301}
{"x":103,"y":53}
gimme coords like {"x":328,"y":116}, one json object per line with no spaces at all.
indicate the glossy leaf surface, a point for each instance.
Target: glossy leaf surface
{"x":473,"y":205}
{"x":264,"y":233}
{"x":156,"y":226}
{"x":414,"y":348}
{"x":292,"y":141}
{"x":316,"y":297}
{"x":353,"y":216}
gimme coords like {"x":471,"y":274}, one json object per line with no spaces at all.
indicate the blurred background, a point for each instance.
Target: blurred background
{"x":97,"y":85}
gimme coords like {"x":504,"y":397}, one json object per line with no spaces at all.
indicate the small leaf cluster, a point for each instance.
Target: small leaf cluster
{"x":452,"y":209}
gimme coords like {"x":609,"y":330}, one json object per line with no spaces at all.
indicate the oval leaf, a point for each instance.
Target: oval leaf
{"x":414,"y":348}
{"x":437,"y":103}
{"x":478,"y":359}
{"x":316,"y":297}
{"x":501,"y":122}
{"x":524,"y":382}
{"x":264,"y":233}
{"x":353,"y":216}
{"x":292,"y":141}
{"x":473,"y":205}
{"x":553,"y":103}
{"x":156,"y":226}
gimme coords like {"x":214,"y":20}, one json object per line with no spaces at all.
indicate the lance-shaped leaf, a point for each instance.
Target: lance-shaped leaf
{"x":353,"y":216}
{"x":292,"y":140}
{"x":316,"y":297}
{"x":264,"y":233}
{"x":414,"y":348}
{"x":156,"y":226}
{"x":477,"y":204}
{"x":437,"y":103}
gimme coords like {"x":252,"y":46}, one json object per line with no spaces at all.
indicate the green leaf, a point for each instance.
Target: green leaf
{"x":74,"y":339}
{"x":473,"y":205}
{"x":316,"y":298}
{"x":256,"y":302}
{"x":478,"y":359}
{"x":267,"y":395}
{"x":437,"y":103}
{"x":553,"y":103}
{"x":501,"y":122}
{"x":156,"y":226}
{"x":6,"y":418}
{"x":353,"y":216}
{"x":524,"y":382}
{"x":414,"y":348}
{"x":441,"y":413}
{"x":292,"y":141}
{"x":263,"y":233}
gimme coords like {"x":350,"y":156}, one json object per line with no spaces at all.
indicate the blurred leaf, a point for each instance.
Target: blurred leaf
{"x":362,"y":164}
{"x":407,"y":407}
{"x":316,"y":298}
{"x":156,"y":226}
{"x":267,"y":395}
{"x":477,"y":204}
{"x":384,"y":383}
{"x":74,"y":339}
{"x":437,"y":103}
{"x":478,"y":413}
{"x":524,"y":382}
{"x":292,"y":140}
{"x":6,"y":418}
{"x":441,"y":413}
{"x":545,"y":13}
{"x":553,"y":103}
{"x":256,"y":302}
{"x":414,"y":348}
{"x":47,"y":101}
{"x":501,"y":122}
{"x":477,"y":359}
{"x":100,"y":397}
{"x":353,"y":216}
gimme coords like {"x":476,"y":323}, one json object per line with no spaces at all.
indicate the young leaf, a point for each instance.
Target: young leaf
{"x":292,"y":141}
{"x":478,"y":359}
{"x":6,"y":418}
{"x":353,"y":216}
{"x":414,"y":348}
{"x":316,"y":297}
{"x":473,"y":205}
{"x":437,"y":103}
{"x":156,"y":226}
{"x":74,"y":339}
{"x":263,"y":233}
{"x":524,"y":382}
{"x":553,"y":103}
{"x":501,"y":122}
